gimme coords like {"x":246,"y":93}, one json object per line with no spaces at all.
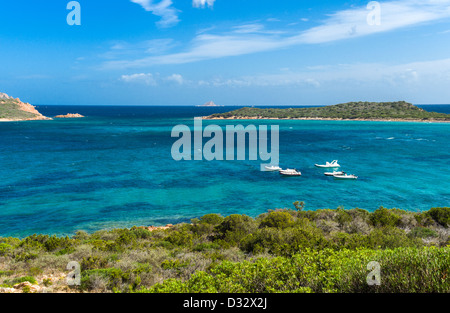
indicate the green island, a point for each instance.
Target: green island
{"x":393,"y":111}
{"x":281,"y":251}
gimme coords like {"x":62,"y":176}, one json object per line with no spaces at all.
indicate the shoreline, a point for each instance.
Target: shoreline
{"x":6,"y":120}
{"x":323,"y":119}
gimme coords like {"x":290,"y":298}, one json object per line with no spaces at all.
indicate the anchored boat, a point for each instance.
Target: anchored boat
{"x":333,"y":164}
{"x":334,"y":173}
{"x":346,"y":177}
{"x":290,"y":172}
{"x":273,"y":168}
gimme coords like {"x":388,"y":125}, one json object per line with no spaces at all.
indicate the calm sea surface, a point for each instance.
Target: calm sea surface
{"x":114,"y":169}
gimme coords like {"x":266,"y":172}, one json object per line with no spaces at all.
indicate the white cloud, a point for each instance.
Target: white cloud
{"x":203,"y":3}
{"x":253,"y":38}
{"x":411,"y":75}
{"x":147,"y":79}
{"x":163,"y":9}
{"x":176,"y":78}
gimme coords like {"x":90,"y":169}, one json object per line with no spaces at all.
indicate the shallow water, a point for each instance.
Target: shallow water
{"x":114,"y":169}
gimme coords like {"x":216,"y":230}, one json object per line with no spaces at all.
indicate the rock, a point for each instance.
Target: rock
{"x":4,"y":96}
{"x":8,"y":290}
{"x":33,"y":288}
{"x":70,"y":115}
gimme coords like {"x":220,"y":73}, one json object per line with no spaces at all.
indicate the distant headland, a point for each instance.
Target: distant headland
{"x":14,"y":110}
{"x":353,"y":111}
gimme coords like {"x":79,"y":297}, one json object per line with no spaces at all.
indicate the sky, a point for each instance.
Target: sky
{"x":232,"y":52}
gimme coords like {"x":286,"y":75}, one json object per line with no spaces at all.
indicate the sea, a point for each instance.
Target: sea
{"x":114,"y":169}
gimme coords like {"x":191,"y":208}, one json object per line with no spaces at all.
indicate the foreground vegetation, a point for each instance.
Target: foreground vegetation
{"x":285,"y":250}
{"x":353,"y":110}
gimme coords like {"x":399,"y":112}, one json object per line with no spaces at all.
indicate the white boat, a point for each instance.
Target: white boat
{"x":273,"y":168}
{"x":333,"y":164}
{"x":346,"y":177}
{"x":290,"y":172}
{"x":334,"y":173}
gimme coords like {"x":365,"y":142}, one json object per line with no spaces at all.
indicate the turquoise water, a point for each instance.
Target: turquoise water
{"x":114,"y":169}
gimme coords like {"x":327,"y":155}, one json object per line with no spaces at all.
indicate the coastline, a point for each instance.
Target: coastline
{"x":5,"y":120}
{"x":323,"y":119}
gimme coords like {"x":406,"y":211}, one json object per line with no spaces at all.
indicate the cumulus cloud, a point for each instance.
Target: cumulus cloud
{"x":176,"y":78}
{"x":203,"y":3}
{"x":147,"y":79}
{"x":163,"y":9}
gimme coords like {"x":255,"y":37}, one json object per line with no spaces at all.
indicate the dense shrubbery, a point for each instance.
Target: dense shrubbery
{"x":279,"y":251}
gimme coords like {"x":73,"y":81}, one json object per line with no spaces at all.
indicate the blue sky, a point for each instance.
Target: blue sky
{"x":247,"y":52}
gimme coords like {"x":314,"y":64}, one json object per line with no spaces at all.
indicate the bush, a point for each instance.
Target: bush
{"x":278,"y":220}
{"x":234,"y":228}
{"x":182,"y":238}
{"x":383,"y":217}
{"x":5,"y":249}
{"x":212,"y":219}
{"x":422,"y":232}
{"x":440,"y":215}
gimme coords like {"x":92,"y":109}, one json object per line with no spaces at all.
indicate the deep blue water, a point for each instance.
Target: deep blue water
{"x":114,"y":169}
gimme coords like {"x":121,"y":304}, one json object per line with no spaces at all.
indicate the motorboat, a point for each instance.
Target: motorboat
{"x":333,"y":164}
{"x":273,"y":168}
{"x":290,"y":172}
{"x":334,"y":173}
{"x":345,"y":177}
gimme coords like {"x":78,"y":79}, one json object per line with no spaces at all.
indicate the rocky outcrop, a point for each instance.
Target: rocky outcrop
{"x":70,"y":115}
{"x":4,"y":96}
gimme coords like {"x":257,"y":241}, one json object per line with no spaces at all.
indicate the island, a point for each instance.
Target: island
{"x":70,"y":115}
{"x":210,"y":104}
{"x":12,"y":110}
{"x":360,"y":111}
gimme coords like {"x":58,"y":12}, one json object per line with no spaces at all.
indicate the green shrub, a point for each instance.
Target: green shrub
{"x":234,"y":228}
{"x":440,"y":215}
{"x":93,"y":262}
{"x":422,"y":232}
{"x":280,"y":219}
{"x":206,"y":246}
{"x":212,"y":219}
{"x":5,"y":249}
{"x":23,"y":279}
{"x":383,"y":217}
{"x":182,"y":238}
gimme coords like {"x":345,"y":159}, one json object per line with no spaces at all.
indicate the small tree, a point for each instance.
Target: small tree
{"x":299,"y":206}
